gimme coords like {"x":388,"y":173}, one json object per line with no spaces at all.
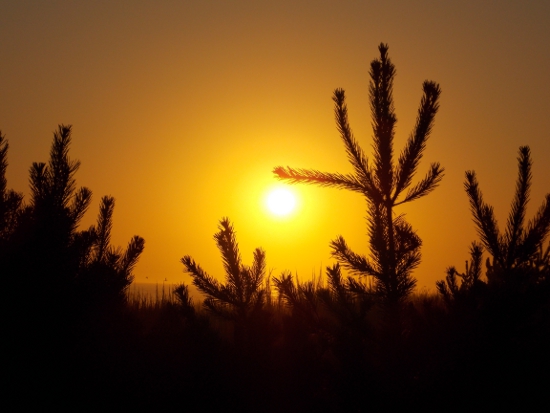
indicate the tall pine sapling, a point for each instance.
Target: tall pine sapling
{"x":394,"y":246}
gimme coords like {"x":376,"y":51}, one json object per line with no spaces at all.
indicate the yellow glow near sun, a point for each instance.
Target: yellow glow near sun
{"x":281,"y":201}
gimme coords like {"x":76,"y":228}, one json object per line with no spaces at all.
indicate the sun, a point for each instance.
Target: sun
{"x":281,"y":201}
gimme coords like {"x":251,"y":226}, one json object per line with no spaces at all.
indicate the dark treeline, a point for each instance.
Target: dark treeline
{"x":359,"y":341}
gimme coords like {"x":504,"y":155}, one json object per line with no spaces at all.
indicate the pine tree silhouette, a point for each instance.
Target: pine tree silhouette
{"x":62,"y":266}
{"x":49,"y":255}
{"x":65,"y":274}
{"x":241,"y":298}
{"x":394,"y":246}
{"x":518,"y":256}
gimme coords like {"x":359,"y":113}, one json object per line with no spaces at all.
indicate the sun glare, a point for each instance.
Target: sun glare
{"x":281,"y":201}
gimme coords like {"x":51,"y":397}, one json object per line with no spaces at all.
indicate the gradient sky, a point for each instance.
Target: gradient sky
{"x":181,"y":109}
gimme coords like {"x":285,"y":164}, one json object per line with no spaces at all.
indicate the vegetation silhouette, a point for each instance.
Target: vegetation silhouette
{"x":394,"y":246}
{"x":322,"y":345}
{"x":74,"y":280}
{"x":243,"y":296}
{"x":43,"y":243}
{"x":519,"y":260}
{"x":498,"y":323}
{"x":337,"y":312}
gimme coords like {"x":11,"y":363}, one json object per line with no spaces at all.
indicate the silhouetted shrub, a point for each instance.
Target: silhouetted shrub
{"x":519,"y":262}
{"x":241,"y":299}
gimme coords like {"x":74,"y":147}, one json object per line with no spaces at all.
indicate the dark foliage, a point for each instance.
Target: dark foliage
{"x":60,"y":265}
{"x":73,"y":280}
{"x":498,"y":322}
{"x":78,"y":344}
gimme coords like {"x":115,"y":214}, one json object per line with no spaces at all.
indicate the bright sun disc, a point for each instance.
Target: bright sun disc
{"x":281,"y":201}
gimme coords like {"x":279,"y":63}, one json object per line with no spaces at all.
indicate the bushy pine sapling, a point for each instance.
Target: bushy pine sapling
{"x":242,"y":297}
{"x":514,"y":252}
{"x":64,"y":267}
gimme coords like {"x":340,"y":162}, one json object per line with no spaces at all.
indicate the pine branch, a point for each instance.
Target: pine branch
{"x":406,"y":240}
{"x":412,"y":153}
{"x":81,"y":202}
{"x":231,"y":258}
{"x":484,"y":217}
{"x":257,"y":271}
{"x":286,"y":289}
{"x":351,"y":261}
{"x":537,"y":231}
{"x":425,"y":186}
{"x":343,"y":306}
{"x":519,"y":205}
{"x":325,"y":179}
{"x":355,"y":154}
{"x":39,"y":183}
{"x":382,"y":73}
{"x":474,"y":271}
{"x":204,"y":282}
{"x":61,"y":168}
{"x":104,"y":226}
{"x":407,"y":248}
{"x":405,"y":286}
{"x":301,"y":298}
{"x":357,"y":287}
{"x":406,"y":264}
{"x":133,"y":251}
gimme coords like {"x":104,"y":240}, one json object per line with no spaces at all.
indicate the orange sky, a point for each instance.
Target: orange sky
{"x":180,"y":110}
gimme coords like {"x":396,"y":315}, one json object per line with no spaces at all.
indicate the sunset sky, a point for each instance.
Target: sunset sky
{"x":181,"y":109}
